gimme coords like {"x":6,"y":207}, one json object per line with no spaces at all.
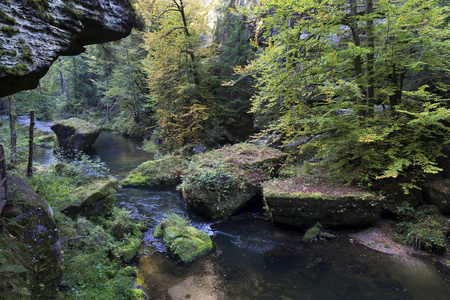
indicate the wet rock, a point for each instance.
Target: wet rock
{"x":297,"y":203}
{"x":34,"y":33}
{"x":165,"y":171}
{"x":75,"y":134}
{"x":95,"y":199}
{"x":219,"y":183}
{"x":182,"y":241}
{"x":438,"y":193}
{"x":34,"y":227}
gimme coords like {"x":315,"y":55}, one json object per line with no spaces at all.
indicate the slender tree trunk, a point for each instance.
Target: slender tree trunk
{"x":180,"y":8}
{"x":354,"y":28}
{"x":31,"y":145}
{"x":370,"y":56}
{"x":65,"y":90}
{"x":12,"y":127}
{"x":137,"y":115}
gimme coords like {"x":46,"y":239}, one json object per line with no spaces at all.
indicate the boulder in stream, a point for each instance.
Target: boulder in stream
{"x":219,"y":183}
{"x":302,"y":203}
{"x":184,"y":242}
{"x":160,"y":172}
{"x":75,"y":134}
{"x":93,"y":199}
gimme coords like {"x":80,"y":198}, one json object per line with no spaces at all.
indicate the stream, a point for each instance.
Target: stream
{"x":254,"y":258}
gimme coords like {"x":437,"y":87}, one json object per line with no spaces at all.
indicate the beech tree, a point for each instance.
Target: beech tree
{"x":361,"y":80}
{"x":178,"y":63}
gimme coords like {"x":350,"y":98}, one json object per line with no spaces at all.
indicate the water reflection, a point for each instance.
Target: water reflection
{"x":256,"y":259}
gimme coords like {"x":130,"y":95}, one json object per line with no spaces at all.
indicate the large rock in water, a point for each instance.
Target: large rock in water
{"x":184,"y":242}
{"x":75,"y":134}
{"x":301,"y":203}
{"x":160,"y":172}
{"x":95,"y":199}
{"x":34,"y":226}
{"x":34,"y":33}
{"x":220,"y":182}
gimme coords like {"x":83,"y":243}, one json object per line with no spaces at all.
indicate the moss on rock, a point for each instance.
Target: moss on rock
{"x":302,"y":202}
{"x":75,"y":134}
{"x":165,"y":171}
{"x":219,"y":183}
{"x":96,"y":198}
{"x":182,"y":241}
{"x":35,"y":228}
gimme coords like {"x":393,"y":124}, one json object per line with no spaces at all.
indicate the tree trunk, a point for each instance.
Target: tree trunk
{"x":12,"y":127}
{"x":64,"y":89}
{"x":370,"y":56}
{"x":31,"y":145}
{"x":354,"y":28}
{"x":136,"y":113}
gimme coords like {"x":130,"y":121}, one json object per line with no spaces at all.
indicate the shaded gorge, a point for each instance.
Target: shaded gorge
{"x":256,"y":259}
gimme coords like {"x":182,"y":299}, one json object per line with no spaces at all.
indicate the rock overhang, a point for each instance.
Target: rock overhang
{"x":33,"y":34}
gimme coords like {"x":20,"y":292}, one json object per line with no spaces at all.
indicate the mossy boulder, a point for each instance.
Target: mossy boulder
{"x":219,"y":183}
{"x":75,"y":134}
{"x":302,"y":203}
{"x":184,"y":242}
{"x":438,"y":193}
{"x":32,"y":224}
{"x":165,"y":171}
{"x":93,"y":199}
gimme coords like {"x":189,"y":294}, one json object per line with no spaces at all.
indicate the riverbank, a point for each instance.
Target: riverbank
{"x":381,"y":237}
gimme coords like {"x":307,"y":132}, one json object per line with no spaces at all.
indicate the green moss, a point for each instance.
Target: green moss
{"x":22,"y":67}
{"x":27,"y":57}
{"x":183,"y":241}
{"x":10,"y":31}
{"x":165,"y":171}
{"x":313,"y":232}
{"x":7,"y":19}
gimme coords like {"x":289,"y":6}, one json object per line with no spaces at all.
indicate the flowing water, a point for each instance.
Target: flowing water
{"x":255,"y":259}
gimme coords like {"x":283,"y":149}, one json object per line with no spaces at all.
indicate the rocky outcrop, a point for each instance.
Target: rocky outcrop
{"x":75,"y":134}
{"x":219,"y":183}
{"x":34,"y":33}
{"x":94,"y":199}
{"x":300,"y":203}
{"x":438,"y":193}
{"x":34,"y":227}
{"x":184,"y":242}
{"x":165,"y":171}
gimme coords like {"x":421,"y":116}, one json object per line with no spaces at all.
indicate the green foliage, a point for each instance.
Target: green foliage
{"x":368,"y":118}
{"x":235,"y":50}
{"x":178,"y":64}
{"x":423,"y":229}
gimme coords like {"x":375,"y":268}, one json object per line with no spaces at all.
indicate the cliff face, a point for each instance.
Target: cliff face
{"x":33,"y":33}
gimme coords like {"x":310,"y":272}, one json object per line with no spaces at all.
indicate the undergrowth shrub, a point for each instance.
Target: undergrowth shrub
{"x":423,"y":229}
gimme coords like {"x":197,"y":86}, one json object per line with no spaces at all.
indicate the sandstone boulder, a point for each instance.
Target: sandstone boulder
{"x":75,"y":134}
{"x":34,"y":227}
{"x":301,"y":203}
{"x":219,"y":183}
{"x":34,"y":33}
{"x":165,"y":171}
{"x":184,"y":242}
{"x":95,"y":199}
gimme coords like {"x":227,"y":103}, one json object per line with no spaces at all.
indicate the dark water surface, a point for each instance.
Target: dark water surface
{"x":256,"y":259}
